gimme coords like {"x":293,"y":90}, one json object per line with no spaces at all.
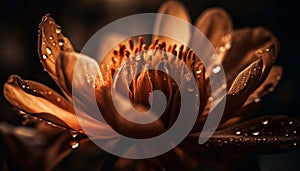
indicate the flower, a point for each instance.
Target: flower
{"x":247,"y":56}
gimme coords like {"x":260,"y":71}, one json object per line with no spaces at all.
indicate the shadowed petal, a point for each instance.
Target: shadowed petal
{"x":175,"y":9}
{"x":51,"y":42}
{"x":214,"y":23}
{"x":267,"y":86}
{"x":268,"y":134}
{"x":249,"y":45}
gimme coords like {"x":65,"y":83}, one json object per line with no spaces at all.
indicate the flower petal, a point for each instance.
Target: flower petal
{"x":36,"y":99}
{"x":214,"y":23}
{"x":267,"y":86}
{"x":268,"y":134}
{"x":249,"y":45}
{"x":121,"y":124}
{"x":25,"y":148}
{"x":163,"y":25}
{"x":51,"y":42}
{"x":243,"y":85}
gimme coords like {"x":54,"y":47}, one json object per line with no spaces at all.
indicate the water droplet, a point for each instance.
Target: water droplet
{"x":198,"y":70}
{"x":225,"y":142}
{"x":43,"y":43}
{"x":53,"y":43}
{"x":238,"y":132}
{"x":45,"y":57}
{"x":73,"y":134}
{"x":190,"y":87}
{"x":60,"y":42}
{"x":74,"y":144}
{"x":255,"y":132}
{"x":278,"y":77}
{"x":295,"y":132}
{"x":50,"y":37}
{"x":257,"y":99}
{"x":58,"y":99}
{"x":265,"y":121}
{"x":49,"y":92}
{"x":58,"y":29}
{"x":48,"y":50}
{"x":138,"y":57}
{"x":210,"y":99}
{"x":23,"y":86}
{"x":227,"y":45}
{"x":294,"y":143}
{"x":216,"y":69}
{"x":222,"y":49}
{"x":291,"y":122}
{"x":286,"y":134}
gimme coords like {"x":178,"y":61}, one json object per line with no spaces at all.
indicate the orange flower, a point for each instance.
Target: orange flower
{"x":247,"y":56}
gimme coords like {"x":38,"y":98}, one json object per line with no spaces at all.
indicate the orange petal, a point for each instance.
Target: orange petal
{"x":51,"y":42}
{"x":214,"y":23}
{"x":164,"y":25}
{"x":36,"y":98}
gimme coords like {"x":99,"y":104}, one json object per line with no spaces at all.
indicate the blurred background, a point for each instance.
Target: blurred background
{"x":80,"y":19}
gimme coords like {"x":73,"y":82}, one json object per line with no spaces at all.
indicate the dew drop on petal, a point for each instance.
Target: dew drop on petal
{"x":216,"y":69}
{"x":74,"y":144}
{"x":48,"y":50}
{"x":23,"y":86}
{"x":256,"y":99}
{"x":51,"y":37}
{"x":198,"y":70}
{"x":60,"y":42}
{"x":45,"y":57}
{"x":238,"y":132}
{"x":58,"y":99}
{"x":264,"y":121}
{"x":190,"y":87}
{"x":227,"y":45}
{"x":58,"y":29}
{"x":255,"y":132}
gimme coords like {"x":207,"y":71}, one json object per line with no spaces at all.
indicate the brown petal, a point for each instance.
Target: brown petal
{"x":267,"y":86}
{"x":243,"y":85}
{"x":78,"y":75}
{"x":118,"y":122}
{"x":249,"y":45}
{"x":36,"y":99}
{"x":163,"y":25}
{"x":267,"y":134}
{"x":51,"y":42}
{"x":214,"y":23}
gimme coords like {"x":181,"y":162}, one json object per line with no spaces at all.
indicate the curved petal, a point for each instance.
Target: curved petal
{"x":175,"y":9}
{"x":249,"y":45}
{"x":36,"y":98}
{"x":267,"y":134}
{"x":214,"y":23}
{"x":267,"y":86}
{"x":51,"y":42}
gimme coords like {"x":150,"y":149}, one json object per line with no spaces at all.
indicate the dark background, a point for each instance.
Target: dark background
{"x":81,"y":18}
